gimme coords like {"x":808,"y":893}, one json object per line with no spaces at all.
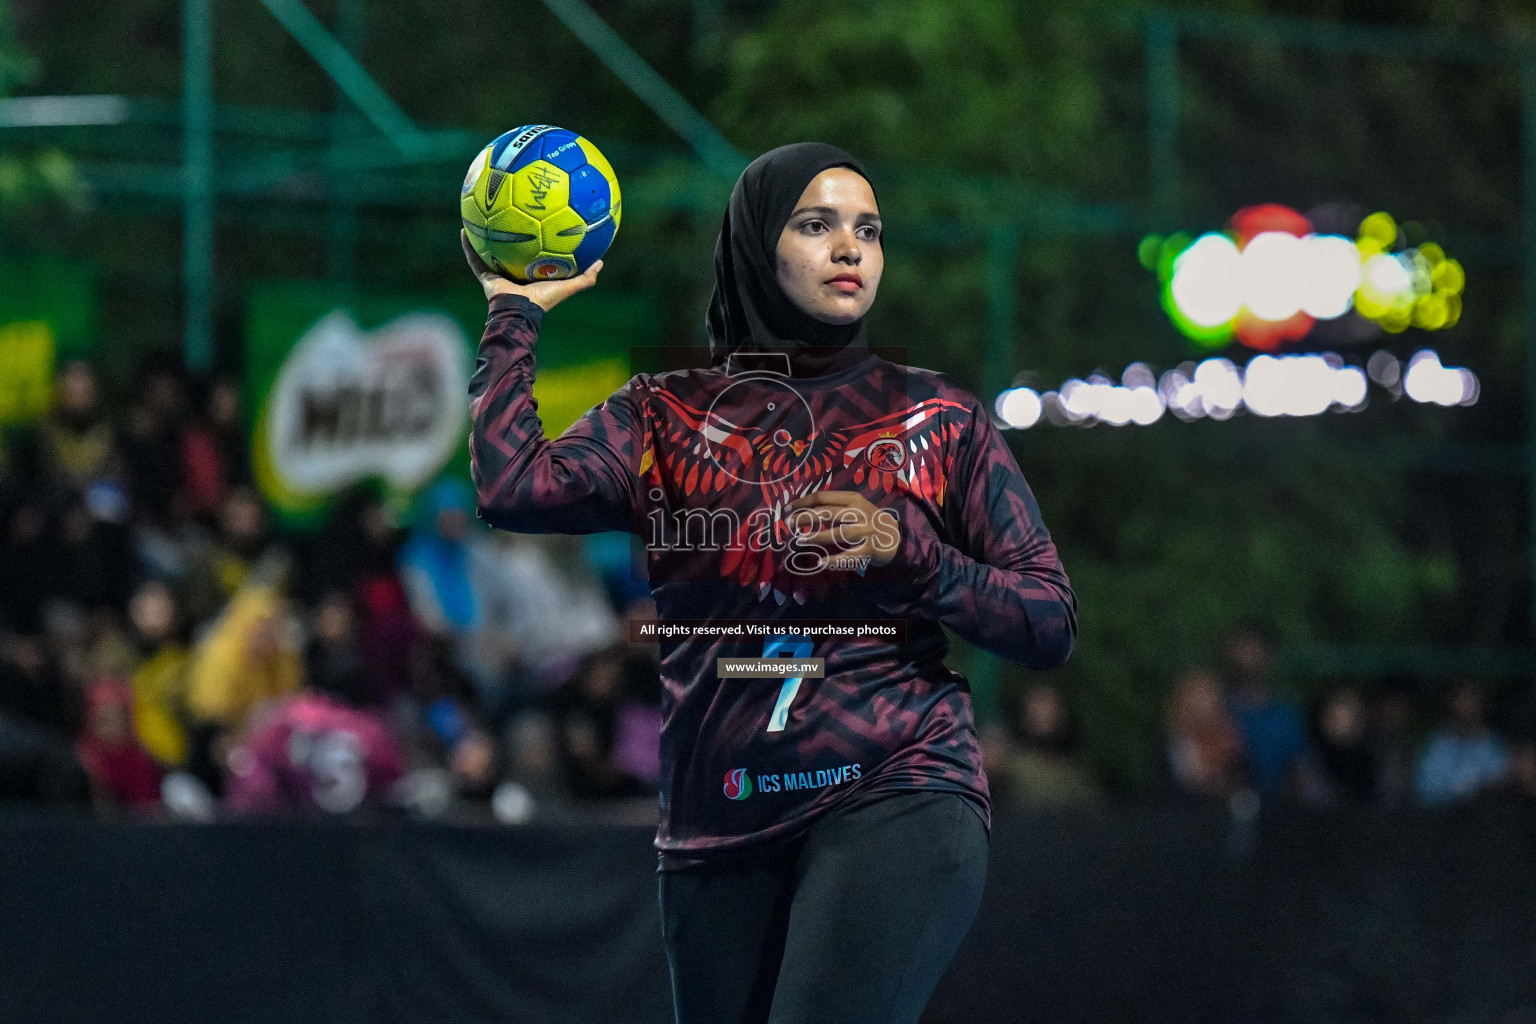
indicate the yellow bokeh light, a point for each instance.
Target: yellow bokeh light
{"x":1380,"y":228}
{"x":1449,"y":277}
{"x":1429,"y":312}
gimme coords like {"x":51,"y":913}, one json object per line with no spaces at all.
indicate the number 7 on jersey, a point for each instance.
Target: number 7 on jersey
{"x":785,"y":645}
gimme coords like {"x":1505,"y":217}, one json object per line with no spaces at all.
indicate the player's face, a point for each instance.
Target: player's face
{"x":829,"y":255}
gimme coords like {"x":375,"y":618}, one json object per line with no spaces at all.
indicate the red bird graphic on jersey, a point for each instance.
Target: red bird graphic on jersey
{"x":902,"y":452}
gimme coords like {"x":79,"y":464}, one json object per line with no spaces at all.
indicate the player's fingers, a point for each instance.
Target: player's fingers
{"x":803,"y":520}
{"x":843,"y":498}
{"x":879,"y":555}
{"x":475,"y":262}
{"x":818,"y":538}
{"x":587,"y":279}
{"x":580,"y":283}
{"x":838,"y":533}
{"x":818,"y":513}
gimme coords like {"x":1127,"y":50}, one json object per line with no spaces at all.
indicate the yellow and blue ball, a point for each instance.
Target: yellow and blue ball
{"x":540,"y":203}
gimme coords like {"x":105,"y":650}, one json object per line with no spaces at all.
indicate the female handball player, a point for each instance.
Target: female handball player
{"x":822,"y":841}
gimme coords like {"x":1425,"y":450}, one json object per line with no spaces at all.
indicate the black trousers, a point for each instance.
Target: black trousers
{"x":854,"y":923}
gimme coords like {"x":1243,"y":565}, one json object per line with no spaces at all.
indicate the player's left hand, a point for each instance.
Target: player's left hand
{"x":844,"y":517}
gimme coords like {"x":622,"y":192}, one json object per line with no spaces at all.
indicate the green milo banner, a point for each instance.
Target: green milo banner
{"x":47,"y":313}
{"x":373,"y":388}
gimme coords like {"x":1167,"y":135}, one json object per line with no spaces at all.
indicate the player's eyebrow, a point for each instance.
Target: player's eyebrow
{"x":827,"y":211}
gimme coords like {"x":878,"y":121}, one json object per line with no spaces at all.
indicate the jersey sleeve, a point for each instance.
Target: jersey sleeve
{"x":584,"y":481}
{"x":1000,"y":584}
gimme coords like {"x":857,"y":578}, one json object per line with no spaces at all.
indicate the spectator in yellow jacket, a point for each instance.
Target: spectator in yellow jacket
{"x":248,"y":656}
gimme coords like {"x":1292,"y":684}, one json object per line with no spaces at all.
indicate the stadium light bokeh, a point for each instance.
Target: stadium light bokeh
{"x":1305,"y":384}
{"x":1269,"y":277}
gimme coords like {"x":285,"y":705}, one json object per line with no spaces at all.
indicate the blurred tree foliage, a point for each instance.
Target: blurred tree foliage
{"x":29,"y":174}
{"x":1334,"y":530}
{"x":1174,"y":534}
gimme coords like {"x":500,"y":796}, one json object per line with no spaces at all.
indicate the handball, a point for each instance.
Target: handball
{"x":540,"y":204}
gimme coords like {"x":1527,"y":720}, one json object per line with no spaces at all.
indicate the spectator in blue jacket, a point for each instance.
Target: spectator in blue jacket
{"x":1462,"y":757}
{"x":1274,"y":734}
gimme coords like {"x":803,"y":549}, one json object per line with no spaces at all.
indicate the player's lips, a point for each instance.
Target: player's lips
{"x":847,"y":283}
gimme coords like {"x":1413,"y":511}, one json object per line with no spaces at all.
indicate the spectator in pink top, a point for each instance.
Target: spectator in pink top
{"x":327,"y":749}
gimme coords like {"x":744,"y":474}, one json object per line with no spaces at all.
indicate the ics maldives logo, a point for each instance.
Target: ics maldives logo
{"x":738,"y":784}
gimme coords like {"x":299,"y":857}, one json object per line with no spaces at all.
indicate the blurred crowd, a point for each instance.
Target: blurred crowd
{"x":166,"y":649}
{"x":1229,"y":735}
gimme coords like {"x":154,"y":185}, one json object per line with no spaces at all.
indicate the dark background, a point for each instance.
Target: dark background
{"x":1021,"y":152}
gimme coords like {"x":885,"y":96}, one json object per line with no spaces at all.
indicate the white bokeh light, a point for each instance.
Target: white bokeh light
{"x":1387,"y":275}
{"x":1427,"y":380}
{"x":1076,"y":401}
{"x":1329,"y":276}
{"x":1146,"y":405}
{"x":1470,"y":388}
{"x":1385,"y":369}
{"x":1349,"y":387}
{"x":1019,"y":407}
{"x":1311,"y":385}
{"x":1275,"y":276}
{"x":1138,"y":375}
{"x":1206,"y":280}
{"x":1264,"y":386}
{"x":1304,"y":384}
{"x":1115,"y":404}
{"x":1179,"y":393}
{"x":1221,"y":387}
{"x":1272,"y":267}
{"x":1301,"y":385}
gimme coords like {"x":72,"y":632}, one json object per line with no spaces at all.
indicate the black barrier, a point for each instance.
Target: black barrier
{"x":1119,"y":915}
{"x":1123,"y":915}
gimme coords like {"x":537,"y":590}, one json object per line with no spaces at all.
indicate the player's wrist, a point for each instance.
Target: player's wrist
{"x":516,"y":302}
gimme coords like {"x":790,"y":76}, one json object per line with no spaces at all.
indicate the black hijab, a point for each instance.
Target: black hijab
{"x":749,"y":311}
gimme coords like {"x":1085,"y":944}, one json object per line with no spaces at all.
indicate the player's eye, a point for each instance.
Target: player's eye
{"x":873,"y":232}
{"x":813,"y":223}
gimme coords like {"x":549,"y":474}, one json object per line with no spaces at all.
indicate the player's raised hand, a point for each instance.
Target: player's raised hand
{"x":546,"y":294}
{"x":846,"y":517}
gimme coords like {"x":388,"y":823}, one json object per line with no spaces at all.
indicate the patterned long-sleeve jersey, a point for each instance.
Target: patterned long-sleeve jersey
{"x":700,"y":464}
